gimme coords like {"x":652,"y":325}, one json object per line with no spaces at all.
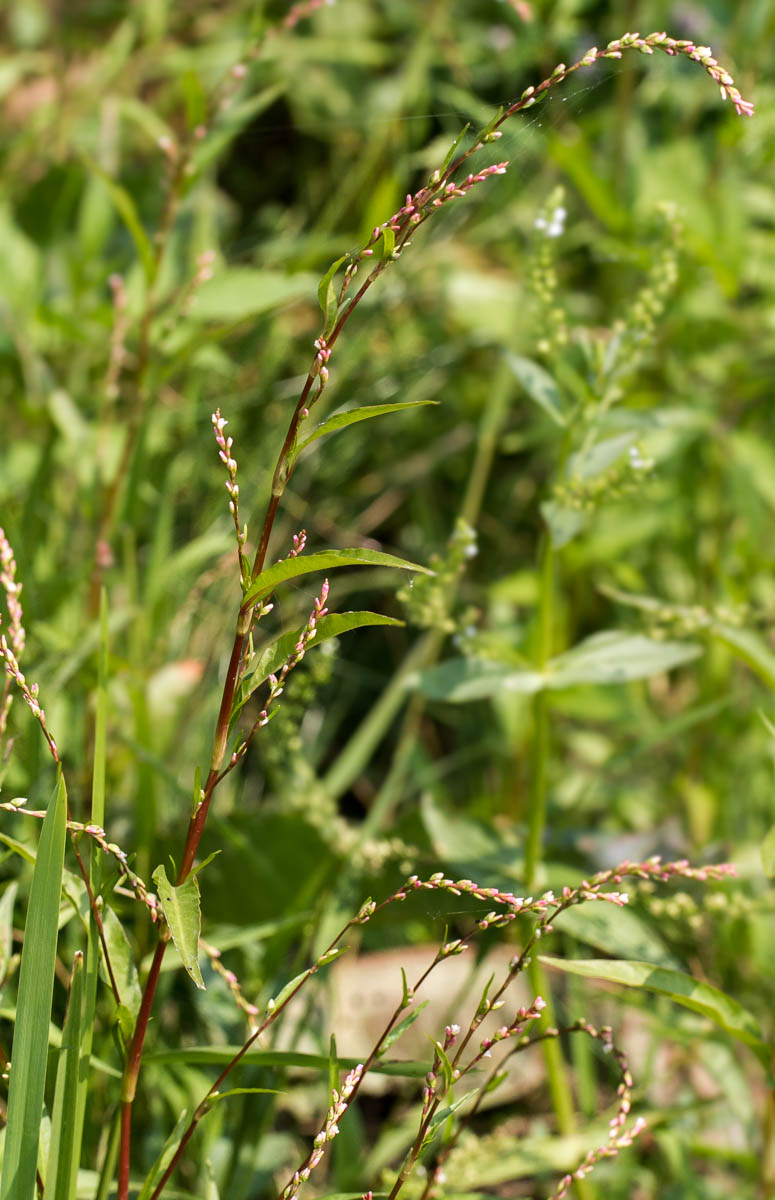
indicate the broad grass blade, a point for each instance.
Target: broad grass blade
{"x":36,"y":985}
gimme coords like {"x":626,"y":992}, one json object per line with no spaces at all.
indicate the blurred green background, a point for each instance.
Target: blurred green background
{"x":362,"y":776}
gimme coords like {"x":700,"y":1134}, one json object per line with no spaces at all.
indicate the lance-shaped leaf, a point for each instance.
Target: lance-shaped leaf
{"x":36,"y":985}
{"x":272,"y":657}
{"x":125,"y":207}
{"x":684,"y":989}
{"x":182,"y":913}
{"x":62,"y":1171}
{"x":617,"y":657}
{"x":327,"y":295}
{"x":327,"y":560}
{"x":605,"y":658}
{"x":342,"y":420}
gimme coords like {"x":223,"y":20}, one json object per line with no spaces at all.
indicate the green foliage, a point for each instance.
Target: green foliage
{"x":576,"y":486}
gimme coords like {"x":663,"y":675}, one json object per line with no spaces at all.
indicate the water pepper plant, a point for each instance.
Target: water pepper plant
{"x":43,"y":1150}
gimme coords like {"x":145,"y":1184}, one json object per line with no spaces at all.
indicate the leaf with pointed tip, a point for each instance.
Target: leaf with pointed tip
{"x":125,"y":207}
{"x":614,"y":656}
{"x":684,"y":989}
{"x":182,"y":913}
{"x":401,"y":1028}
{"x":326,"y":560}
{"x":342,"y":420}
{"x":455,"y":146}
{"x":272,"y":657}
{"x":327,"y":297}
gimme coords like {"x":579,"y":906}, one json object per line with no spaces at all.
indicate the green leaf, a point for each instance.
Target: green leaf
{"x":6,"y":927}
{"x":290,"y":987}
{"x":122,"y":961}
{"x":125,"y":207}
{"x":167,"y":1153}
{"x":236,"y":293}
{"x":387,"y":243}
{"x":590,"y":463}
{"x":272,"y":657}
{"x":327,"y":295}
{"x":36,"y":985}
{"x":219,"y":1055}
{"x":691,"y":993}
{"x":443,"y":1113}
{"x":455,"y":146}
{"x":342,"y":420}
{"x":749,"y":647}
{"x":756,"y":457}
{"x":94,"y":949}
{"x":445,"y":1064}
{"x":246,"y":1091}
{"x":459,"y":680}
{"x":18,"y":847}
{"x":326,"y":560}
{"x":401,"y":1027}
{"x":604,"y":658}
{"x":614,"y":656}
{"x":616,"y":931}
{"x":180,"y":906}
{"x":64,"y":1147}
{"x":539,"y":385}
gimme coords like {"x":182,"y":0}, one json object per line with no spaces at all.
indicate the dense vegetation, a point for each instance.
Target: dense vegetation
{"x":580,"y":349}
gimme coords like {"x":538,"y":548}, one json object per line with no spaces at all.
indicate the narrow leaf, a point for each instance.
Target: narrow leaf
{"x":180,"y":906}
{"x":290,"y":987}
{"x":455,"y":146}
{"x":165,"y":1158}
{"x":272,"y":657}
{"x":122,"y":961}
{"x":326,"y":560}
{"x":342,"y":420}
{"x":400,"y":1029}
{"x":64,"y":1147}
{"x":220,"y":1055}
{"x":692,"y":993}
{"x":125,"y":207}
{"x":539,"y":386}
{"x":327,"y":297}
{"x":387,"y":243}
{"x":6,"y":927}
{"x":443,"y":1113}
{"x":94,"y":949}
{"x":36,"y":985}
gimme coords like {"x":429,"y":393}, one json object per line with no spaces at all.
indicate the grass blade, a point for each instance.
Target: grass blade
{"x":92,"y":942}
{"x":64,"y":1148}
{"x":36,"y":985}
